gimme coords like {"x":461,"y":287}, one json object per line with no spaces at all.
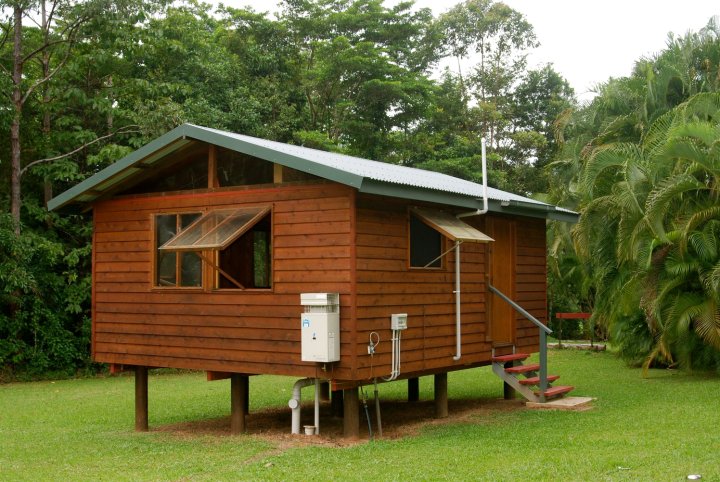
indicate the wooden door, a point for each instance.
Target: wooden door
{"x":501,"y":264}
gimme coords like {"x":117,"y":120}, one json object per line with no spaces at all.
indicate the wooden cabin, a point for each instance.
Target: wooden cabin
{"x":205,"y":240}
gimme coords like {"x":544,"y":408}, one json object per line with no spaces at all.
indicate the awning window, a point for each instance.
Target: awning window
{"x":450,"y":226}
{"x":215,"y":230}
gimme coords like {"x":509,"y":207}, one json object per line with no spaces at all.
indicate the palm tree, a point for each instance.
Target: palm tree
{"x":651,"y":231}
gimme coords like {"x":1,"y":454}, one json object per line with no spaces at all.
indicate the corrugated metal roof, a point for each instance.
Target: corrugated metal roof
{"x":364,"y":174}
{"x":381,"y":171}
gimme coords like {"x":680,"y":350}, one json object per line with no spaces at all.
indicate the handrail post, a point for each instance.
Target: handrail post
{"x":543,"y":365}
{"x":544,"y":331}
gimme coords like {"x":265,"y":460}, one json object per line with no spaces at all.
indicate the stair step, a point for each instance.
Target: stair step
{"x":523,"y":368}
{"x":536,"y":380}
{"x":508,"y":358}
{"x":556,"y":391}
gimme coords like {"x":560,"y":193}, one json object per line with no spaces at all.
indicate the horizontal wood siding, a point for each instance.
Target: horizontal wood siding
{"x":386,"y":285}
{"x":531,"y":282}
{"x":251,"y":331}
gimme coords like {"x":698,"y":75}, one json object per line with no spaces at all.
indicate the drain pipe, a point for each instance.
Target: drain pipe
{"x":294,"y":403}
{"x":478,"y":212}
{"x":317,"y":406}
{"x":458,"y":335}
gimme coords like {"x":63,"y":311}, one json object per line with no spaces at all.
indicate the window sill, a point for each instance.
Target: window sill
{"x":196,"y":289}
{"x":238,"y":290}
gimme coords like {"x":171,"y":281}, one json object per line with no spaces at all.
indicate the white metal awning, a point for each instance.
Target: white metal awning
{"x":450,"y":226}
{"x":216,"y":230}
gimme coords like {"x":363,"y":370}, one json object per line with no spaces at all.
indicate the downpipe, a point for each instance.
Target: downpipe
{"x":458,"y":315}
{"x":294,"y":403}
{"x":478,"y":212}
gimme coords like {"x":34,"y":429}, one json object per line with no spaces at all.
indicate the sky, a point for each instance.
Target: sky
{"x":587,"y":42}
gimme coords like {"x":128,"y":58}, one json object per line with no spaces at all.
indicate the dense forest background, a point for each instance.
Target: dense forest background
{"x":84,"y":83}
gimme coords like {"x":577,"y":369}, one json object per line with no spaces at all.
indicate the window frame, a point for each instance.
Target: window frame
{"x":178,"y":263}
{"x":210,"y":258}
{"x":215,"y":274}
{"x":447,"y":226}
{"x":443,"y":245}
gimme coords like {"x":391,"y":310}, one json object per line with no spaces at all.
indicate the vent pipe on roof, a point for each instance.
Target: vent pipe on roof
{"x":484,"y":176}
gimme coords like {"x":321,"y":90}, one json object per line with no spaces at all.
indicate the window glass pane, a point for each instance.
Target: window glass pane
{"x":190,"y":269}
{"x":192,"y":174}
{"x":237,"y":169}
{"x":187,"y":219}
{"x":216,"y":230}
{"x":261,"y":259}
{"x":169,"y":263}
{"x":425,"y":244}
{"x":248,"y":258}
{"x":166,"y":228}
{"x":166,"y":269}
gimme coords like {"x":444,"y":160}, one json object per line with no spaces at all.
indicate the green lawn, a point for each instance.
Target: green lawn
{"x":663,"y":427}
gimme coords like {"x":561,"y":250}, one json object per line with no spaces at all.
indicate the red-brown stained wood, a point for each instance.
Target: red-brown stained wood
{"x":325,"y":237}
{"x":387,"y":285}
{"x":250,"y":331}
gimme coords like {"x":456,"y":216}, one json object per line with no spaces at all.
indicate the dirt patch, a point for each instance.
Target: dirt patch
{"x":399,"y":419}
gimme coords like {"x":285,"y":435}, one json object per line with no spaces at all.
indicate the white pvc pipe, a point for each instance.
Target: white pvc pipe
{"x":398,"y":353}
{"x":394,"y":357}
{"x":458,"y":316}
{"x":484,"y":185}
{"x":458,"y":335}
{"x":294,"y":402}
{"x":317,"y":406}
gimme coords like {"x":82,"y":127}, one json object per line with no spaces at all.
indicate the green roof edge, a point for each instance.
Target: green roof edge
{"x":287,"y":160}
{"x":361,"y":183}
{"x":148,"y":149}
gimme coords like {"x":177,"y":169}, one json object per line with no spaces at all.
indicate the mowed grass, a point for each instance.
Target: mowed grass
{"x":658,"y":428}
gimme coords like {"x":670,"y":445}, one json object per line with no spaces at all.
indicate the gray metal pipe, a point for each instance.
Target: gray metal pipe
{"x":294,"y":402}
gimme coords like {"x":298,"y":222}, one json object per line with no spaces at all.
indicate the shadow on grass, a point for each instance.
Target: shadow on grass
{"x":399,"y":419}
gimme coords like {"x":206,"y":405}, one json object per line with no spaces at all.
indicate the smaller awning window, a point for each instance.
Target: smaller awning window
{"x":215,"y":230}
{"x":450,"y":226}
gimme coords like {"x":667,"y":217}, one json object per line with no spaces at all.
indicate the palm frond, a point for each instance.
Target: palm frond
{"x":707,"y":322}
{"x":666,"y":193}
{"x":700,"y":217}
{"x":613,"y":156}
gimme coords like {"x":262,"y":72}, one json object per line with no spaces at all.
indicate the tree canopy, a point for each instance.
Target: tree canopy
{"x":85,"y":82}
{"x":641,"y":162}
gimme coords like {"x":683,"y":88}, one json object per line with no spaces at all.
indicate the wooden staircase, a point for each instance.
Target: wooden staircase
{"x":524,"y":377}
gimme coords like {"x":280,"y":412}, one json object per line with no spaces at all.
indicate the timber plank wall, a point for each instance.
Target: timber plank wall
{"x":386,"y":285}
{"x":249,"y":331}
{"x":530,"y":280}
{"x":325,"y":237}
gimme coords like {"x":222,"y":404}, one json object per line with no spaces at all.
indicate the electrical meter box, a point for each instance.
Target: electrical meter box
{"x":398,"y":321}
{"x":320,"y":327}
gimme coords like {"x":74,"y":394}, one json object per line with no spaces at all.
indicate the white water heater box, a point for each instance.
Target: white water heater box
{"x":320,"y":327}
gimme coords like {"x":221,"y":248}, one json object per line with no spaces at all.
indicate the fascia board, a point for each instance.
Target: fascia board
{"x":404,"y":191}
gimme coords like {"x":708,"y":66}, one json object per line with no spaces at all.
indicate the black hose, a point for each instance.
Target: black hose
{"x":377,"y":411}
{"x":367,"y":413}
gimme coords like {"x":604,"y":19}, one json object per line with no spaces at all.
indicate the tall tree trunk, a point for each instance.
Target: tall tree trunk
{"x":46,"y":127}
{"x":111,"y":98}
{"x":17,"y":117}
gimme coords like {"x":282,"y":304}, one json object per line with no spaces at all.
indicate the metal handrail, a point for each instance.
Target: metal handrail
{"x":544,"y":331}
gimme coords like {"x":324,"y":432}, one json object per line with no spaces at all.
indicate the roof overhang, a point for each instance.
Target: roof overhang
{"x":137,"y":162}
